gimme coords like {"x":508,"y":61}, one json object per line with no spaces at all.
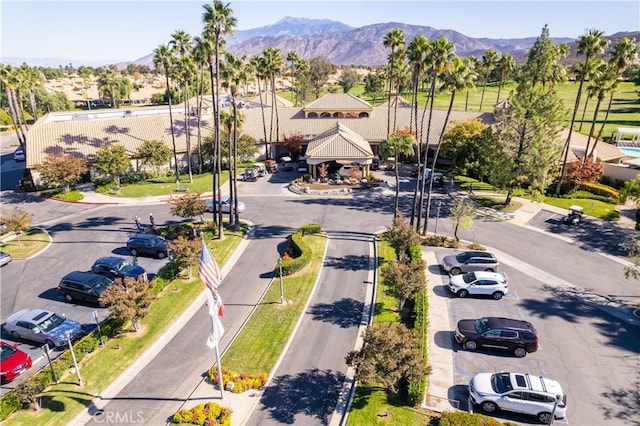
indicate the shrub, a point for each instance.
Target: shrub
{"x":462,"y":418}
{"x":477,"y":246}
{"x":600,"y":189}
{"x":241,"y":382}
{"x":298,"y":251}
{"x":415,"y":252}
{"x":209,"y":414}
{"x":440,"y":241}
{"x":590,"y":196}
{"x":311,"y":228}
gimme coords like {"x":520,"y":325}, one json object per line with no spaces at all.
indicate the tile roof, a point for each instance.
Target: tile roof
{"x":338,"y":101}
{"x":338,"y":143}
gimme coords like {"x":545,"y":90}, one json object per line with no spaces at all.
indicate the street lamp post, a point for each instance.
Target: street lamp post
{"x":555,"y":407}
{"x":45,"y":349}
{"x":281,"y":286}
{"x":73,"y":356}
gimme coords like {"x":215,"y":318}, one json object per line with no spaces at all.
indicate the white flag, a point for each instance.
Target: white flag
{"x":217,"y":330}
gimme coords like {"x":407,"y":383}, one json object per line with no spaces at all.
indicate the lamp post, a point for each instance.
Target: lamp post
{"x":435,"y":230}
{"x":73,"y":355}
{"x":281,"y":286}
{"x":45,"y":349}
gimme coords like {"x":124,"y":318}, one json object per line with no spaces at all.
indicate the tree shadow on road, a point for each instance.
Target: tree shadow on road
{"x":313,"y":393}
{"x":344,"y":313}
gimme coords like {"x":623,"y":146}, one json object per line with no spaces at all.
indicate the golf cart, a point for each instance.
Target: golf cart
{"x":250,"y":175}
{"x":575,"y":215}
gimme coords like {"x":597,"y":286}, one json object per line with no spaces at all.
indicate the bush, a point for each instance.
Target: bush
{"x":299,"y":254}
{"x":241,"y":382}
{"x":462,"y":418}
{"x":590,"y":196}
{"x":440,"y":241}
{"x":209,"y":414}
{"x":415,"y":252}
{"x":477,"y":246}
{"x":600,"y":189}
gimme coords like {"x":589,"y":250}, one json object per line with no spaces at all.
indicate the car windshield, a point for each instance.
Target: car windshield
{"x":482,"y":325}
{"x":462,"y":257}
{"x":501,"y":383}
{"x":469,"y":277}
{"x":51,"y":322}
{"x":6,"y":351}
{"x":101,"y":285}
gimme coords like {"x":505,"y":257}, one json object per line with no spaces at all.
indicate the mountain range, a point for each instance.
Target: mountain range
{"x":345,"y":45}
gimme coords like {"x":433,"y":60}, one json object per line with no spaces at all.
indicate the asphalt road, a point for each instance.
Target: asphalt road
{"x":590,"y":351}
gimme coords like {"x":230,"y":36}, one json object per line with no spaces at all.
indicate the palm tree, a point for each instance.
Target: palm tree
{"x":202,"y":50}
{"x":8,"y":79}
{"x":417,"y":56}
{"x":181,"y":43}
{"x":394,"y":39}
{"x":589,"y":45}
{"x":624,"y":53}
{"x":507,"y":65}
{"x":108,"y":82}
{"x":164,"y":57}
{"x":85,"y":73}
{"x":592,"y":67}
{"x":218,"y":22}
{"x":293,"y":58}
{"x":257,"y":63}
{"x":274,"y":63}
{"x":457,"y":77}
{"x":489,"y":60}
{"x":395,"y":145}
{"x":604,"y":80}
{"x":473,"y":64}
{"x":440,"y":56}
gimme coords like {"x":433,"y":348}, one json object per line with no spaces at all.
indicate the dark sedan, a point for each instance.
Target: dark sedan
{"x":118,"y":268}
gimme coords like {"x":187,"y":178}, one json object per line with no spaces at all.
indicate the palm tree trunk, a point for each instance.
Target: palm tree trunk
{"x":584,"y":111}
{"x":214,"y":165}
{"x":435,"y":159}
{"x":275,"y":106}
{"x":396,"y":206}
{"x":173,"y":135}
{"x":500,"y":86}
{"x":267,"y":152}
{"x":217,"y":130}
{"x":466,"y":101}
{"x":199,"y":112}
{"x":604,"y":122}
{"x":235,"y":165}
{"x":187,"y":125}
{"x":484,"y":86}
{"x":421,"y":180}
{"x":34,"y":106}
{"x":593,"y":126}
{"x":14,"y":117}
{"x":232,"y":195}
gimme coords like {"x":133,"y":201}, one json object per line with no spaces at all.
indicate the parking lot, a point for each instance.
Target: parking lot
{"x":580,"y":344}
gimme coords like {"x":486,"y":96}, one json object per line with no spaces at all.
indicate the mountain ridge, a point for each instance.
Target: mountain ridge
{"x":346,"y":45}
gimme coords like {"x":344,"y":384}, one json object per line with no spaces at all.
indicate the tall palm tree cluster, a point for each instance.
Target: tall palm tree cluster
{"x":433,"y":67}
{"x":18,"y":83}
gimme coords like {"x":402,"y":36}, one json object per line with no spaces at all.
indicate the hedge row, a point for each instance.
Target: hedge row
{"x":462,"y":418}
{"x":25,"y":394}
{"x":416,"y":390}
{"x":241,"y":382}
{"x":600,"y":189}
{"x":299,"y":254}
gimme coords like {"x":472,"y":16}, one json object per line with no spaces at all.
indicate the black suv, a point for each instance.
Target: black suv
{"x":117,"y":267}
{"x":147,"y":244}
{"x":83,"y":286}
{"x":519,"y":337}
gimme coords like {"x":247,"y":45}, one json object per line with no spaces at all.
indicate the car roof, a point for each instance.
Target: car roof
{"x":86,"y":277}
{"x":501,"y":322}
{"x":110,"y":260}
{"x":28,"y":314}
{"x":498,"y":276}
{"x":143,"y":236}
{"x":524,"y":381}
{"x":475,"y":253}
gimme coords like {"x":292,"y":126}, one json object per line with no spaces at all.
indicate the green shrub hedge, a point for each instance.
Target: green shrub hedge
{"x":299,"y":254}
{"x":416,"y":390}
{"x":601,"y":189}
{"x":462,"y":418}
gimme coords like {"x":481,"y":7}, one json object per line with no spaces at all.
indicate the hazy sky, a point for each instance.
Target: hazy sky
{"x":114,"y":31}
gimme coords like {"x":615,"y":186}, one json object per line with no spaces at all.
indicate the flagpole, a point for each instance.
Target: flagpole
{"x":219,"y":373}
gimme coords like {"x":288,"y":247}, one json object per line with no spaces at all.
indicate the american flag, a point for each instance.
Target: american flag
{"x":209,"y":272}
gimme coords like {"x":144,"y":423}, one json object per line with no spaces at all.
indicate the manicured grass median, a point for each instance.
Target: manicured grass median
{"x":62,"y":402}
{"x":31,"y":242}
{"x":271,"y":325}
{"x":167,"y":186}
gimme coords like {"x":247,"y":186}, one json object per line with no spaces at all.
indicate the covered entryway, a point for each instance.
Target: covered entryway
{"x":341,"y":145}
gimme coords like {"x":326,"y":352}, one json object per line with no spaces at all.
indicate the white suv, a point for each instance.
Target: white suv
{"x":482,"y":283}
{"x":519,"y":393}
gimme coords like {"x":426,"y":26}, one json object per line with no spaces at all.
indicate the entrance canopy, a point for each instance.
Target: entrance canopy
{"x":340,"y":144}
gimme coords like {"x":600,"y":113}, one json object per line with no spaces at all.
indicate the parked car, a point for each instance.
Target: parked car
{"x":519,"y":393}
{"x":5,"y":258}
{"x":42,"y":326}
{"x":149,"y":245}
{"x":468,"y":261}
{"x":260,"y":168}
{"x":226,"y":204}
{"x":84,"y":286}
{"x":250,"y":175}
{"x":18,"y":154}
{"x":492,"y":284}
{"x":517,"y":336}
{"x":13,"y":362}
{"x":117,"y":267}
{"x":375,"y":163}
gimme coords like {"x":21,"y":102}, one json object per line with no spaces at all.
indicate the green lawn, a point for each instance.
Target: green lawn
{"x":271,"y":325}
{"x":625,"y":110}
{"x":594,"y":208}
{"x":29,"y":243}
{"x":166,"y":186}
{"x":62,"y":402}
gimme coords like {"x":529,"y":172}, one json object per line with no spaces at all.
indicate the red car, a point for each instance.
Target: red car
{"x":13,"y":362}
